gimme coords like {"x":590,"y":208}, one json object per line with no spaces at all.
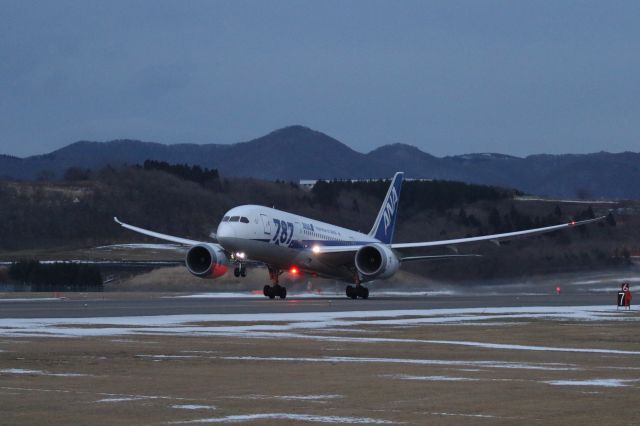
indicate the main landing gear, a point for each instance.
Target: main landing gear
{"x":357,"y":291}
{"x":275,"y":290}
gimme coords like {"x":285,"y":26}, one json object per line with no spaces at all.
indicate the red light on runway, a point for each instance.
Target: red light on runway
{"x":558,"y":290}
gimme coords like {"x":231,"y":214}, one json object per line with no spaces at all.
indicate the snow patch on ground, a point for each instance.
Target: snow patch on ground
{"x":193,"y":407}
{"x":287,"y":416}
{"x":307,"y":397}
{"x":114,"y":397}
{"x":532,"y":348}
{"x":167,"y":356}
{"x":38,"y":372}
{"x":432,"y":378}
{"x":608,"y":383}
{"x":363,"y":360}
{"x":122,"y":399}
{"x":288,"y":322}
{"x":289,"y":397}
{"x":486,"y":416}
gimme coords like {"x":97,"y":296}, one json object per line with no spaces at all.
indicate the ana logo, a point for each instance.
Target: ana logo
{"x":390,"y":208}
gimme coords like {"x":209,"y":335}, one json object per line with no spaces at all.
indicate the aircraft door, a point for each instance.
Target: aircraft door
{"x":297,"y":230}
{"x":266,"y":224}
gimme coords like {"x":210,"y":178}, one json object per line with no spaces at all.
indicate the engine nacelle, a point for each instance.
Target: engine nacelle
{"x":376,"y":261}
{"x":207,"y":261}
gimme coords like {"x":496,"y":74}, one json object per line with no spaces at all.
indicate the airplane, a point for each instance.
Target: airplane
{"x":288,"y":242}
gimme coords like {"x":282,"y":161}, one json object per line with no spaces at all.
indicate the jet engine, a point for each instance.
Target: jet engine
{"x":207,"y":261}
{"x":376,"y":261}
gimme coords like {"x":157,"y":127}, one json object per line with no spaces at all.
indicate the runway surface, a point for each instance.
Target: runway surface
{"x":126,"y":304}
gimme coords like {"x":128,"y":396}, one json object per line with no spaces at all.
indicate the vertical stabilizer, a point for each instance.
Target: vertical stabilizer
{"x":385,"y":223}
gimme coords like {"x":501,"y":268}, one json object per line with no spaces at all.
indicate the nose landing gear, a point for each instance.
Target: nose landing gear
{"x":240,"y":271}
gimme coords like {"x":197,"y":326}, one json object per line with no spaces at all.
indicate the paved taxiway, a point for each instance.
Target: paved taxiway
{"x":123,"y":304}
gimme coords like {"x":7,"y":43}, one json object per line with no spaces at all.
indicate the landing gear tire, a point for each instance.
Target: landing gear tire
{"x":357,"y":291}
{"x":236,"y":272}
{"x":276,"y":290}
{"x":364,"y":292}
{"x":243,"y":272}
{"x":351,"y":292}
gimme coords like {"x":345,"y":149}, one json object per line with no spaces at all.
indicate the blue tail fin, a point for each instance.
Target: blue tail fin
{"x":385,"y":223}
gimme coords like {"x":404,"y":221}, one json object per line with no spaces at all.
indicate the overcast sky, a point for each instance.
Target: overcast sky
{"x":451,"y":77}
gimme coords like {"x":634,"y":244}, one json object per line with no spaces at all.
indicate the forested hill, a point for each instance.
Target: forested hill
{"x":190,"y":201}
{"x":297,"y":152}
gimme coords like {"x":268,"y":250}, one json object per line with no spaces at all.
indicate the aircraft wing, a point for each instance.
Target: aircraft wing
{"x":495,"y":238}
{"x":154,"y":234}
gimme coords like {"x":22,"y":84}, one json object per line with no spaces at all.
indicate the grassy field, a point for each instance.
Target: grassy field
{"x":484,"y":369}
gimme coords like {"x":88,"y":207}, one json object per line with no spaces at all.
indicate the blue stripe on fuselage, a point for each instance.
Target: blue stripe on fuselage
{"x":305,"y":244}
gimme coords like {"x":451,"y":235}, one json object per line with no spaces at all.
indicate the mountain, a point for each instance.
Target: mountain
{"x":289,"y":153}
{"x":297,"y":152}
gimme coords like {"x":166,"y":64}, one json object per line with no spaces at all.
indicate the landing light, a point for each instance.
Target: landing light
{"x":293,"y":270}
{"x":240,"y":255}
{"x":315,"y":249}
{"x":573,"y":222}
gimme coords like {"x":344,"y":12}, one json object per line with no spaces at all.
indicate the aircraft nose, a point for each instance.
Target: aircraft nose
{"x":225,"y":230}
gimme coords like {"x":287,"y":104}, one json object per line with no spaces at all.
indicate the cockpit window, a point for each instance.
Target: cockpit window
{"x":225,"y":219}
{"x":244,"y":220}
{"x":234,"y":219}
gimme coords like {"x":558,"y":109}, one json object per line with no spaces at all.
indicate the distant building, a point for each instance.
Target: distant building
{"x":310,"y":183}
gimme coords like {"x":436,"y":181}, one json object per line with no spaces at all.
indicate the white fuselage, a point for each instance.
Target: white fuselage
{"x":284,"y":240}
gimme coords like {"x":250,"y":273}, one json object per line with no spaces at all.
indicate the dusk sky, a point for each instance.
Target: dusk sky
{"x":450,"y":77}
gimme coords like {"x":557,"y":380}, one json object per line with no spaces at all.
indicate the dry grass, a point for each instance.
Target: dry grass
{"x":201,"y":375}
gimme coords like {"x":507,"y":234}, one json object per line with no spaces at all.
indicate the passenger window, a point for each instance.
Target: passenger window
{"x":234,"y":219}
{"x":225,"y":219}
{"x":244,"y":220}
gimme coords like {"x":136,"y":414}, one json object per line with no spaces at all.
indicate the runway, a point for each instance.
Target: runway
{"x":89,"y":305}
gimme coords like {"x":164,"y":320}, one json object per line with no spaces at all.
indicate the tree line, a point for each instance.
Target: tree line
{"x":416,"y":195}
{"x":203,"y":176}
{"x":59,"y":276}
